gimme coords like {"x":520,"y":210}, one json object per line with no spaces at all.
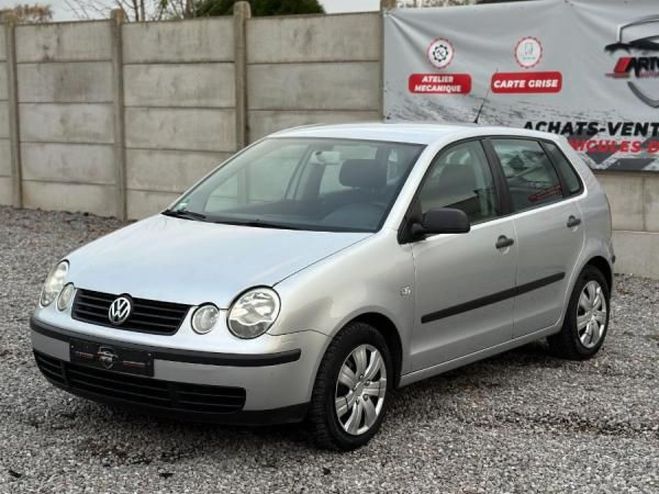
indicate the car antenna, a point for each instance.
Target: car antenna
{"x":480,"y":109}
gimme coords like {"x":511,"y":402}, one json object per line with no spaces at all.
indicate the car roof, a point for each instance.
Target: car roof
{"x":409,"y":132}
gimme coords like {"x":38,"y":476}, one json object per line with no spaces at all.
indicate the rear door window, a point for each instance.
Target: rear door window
{"x":532,"y":179}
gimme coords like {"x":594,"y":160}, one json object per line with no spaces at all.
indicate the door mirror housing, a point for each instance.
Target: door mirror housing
{"x":441,"y":220}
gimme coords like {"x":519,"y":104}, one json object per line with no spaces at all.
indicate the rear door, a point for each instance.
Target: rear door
{"x":548,"y":226}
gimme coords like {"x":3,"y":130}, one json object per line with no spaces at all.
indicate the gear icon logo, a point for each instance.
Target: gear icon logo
{"x":440,"y":53}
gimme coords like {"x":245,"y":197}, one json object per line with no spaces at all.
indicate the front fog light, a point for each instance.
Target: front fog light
{"x":65,"y":297}
{"x":54,"y":283}
{"x":253,"y":313}
{"x":204,"y":318}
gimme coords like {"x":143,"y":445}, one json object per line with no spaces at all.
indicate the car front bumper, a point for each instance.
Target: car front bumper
{"x":194,"y":384}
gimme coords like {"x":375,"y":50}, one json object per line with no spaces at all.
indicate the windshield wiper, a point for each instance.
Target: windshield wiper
{"x":258,"y":224}
{"x":184,"y":213}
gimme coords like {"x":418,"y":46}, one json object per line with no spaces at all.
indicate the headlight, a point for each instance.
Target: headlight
{"x":54,"y":283}
{"x":204,"y":318}
{"x":65,"y":297}
{"x":253,"y":313}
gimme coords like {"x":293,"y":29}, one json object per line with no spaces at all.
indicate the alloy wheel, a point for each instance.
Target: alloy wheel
{"x":591,"y":314}
{"x":360,"y":390}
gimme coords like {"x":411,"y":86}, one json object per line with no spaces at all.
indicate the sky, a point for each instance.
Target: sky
{"x":334,"y":6}
{"x":62,"y":13}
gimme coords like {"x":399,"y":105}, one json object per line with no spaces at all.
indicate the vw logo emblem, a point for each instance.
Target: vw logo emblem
{"x":120,"y":309}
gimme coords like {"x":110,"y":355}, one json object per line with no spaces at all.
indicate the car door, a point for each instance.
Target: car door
{"x":550,"y":235}
{"x":464,"y":283}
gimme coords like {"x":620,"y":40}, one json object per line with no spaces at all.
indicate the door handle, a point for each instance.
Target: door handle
{"x":573,"y":221}
{"x":503,"y":242}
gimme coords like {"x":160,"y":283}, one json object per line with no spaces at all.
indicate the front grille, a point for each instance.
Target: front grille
{"x":141,"y":390}
{"x":148,"y":316}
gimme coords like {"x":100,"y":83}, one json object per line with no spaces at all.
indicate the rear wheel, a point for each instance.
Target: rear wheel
{"x":350,"y":393}
{"x":587,"y":318}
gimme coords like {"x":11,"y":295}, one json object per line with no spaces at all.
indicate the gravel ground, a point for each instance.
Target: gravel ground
{"x":519,"y":422}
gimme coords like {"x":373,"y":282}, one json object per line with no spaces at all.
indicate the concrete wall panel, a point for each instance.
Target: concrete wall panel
{"x":171,"y":171}
{"x":91,"y":123}
{"x":86,"y":82}
{"x":5,"y":158}
{"x":203,"y":85}
{"x":97,"y":199}
{"x":3,"y":49}
{"x":142,"y":203}
{"x":199,"y":130}
{"x":651,"y":196}
{"x":314,"y":39}
{"x":637,"y":253}
{"x":264,"y":122}
{"x":3,"y":81}
{"x":625,"y":192}
{"x":4,"y":120}
{"x":314,"y":86}
{"x":199,"y":40}
{"x":88,"y":163}
{"x":5,"y":191}
{"x":62,"y":42}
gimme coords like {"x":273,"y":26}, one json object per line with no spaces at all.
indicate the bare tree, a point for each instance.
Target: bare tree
{"x":153,"y":10}
{"x":26,"y":13}
{"x":177,"y":9}
{"x":134,"y":10}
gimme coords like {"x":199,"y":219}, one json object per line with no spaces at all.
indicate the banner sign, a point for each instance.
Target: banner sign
{"x":585,"y":69}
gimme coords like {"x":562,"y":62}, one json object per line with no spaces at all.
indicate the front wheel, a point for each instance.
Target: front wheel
{"x":587,"y":318}
{"x":350,"y":393}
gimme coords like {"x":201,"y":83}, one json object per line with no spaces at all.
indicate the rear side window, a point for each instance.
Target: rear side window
{"x":572,"y":182}
{"x":532,"y":179}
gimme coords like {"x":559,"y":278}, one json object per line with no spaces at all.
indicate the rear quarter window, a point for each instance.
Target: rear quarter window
{"x":572,"y":181}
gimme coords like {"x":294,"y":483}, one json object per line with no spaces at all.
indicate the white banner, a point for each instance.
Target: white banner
{"x":586,"y":69}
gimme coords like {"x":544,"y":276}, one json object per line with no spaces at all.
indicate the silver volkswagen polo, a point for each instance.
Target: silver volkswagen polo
{"x":323,"y":267}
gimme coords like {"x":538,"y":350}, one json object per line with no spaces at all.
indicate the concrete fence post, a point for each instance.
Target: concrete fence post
{"x":10,"y":22}
{"x":385,"y":5}
{"x":241,"y":14}
{"x":116,"y":20}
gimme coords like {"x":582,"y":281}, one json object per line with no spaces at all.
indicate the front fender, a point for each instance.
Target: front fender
{"x":369,"y":277}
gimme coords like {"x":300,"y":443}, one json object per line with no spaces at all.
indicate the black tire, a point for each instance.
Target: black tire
{"x":326,"y":429}
{"x":567,"y":344}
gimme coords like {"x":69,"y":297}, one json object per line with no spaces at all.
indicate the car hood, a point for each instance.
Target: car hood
{"x":191,"y":262}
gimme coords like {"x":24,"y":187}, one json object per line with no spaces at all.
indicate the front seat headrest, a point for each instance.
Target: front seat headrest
{"x":457,"y":178}
{"x":363,"y":173}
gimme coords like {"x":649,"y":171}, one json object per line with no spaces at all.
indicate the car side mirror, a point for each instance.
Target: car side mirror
{"x":441,"y":220}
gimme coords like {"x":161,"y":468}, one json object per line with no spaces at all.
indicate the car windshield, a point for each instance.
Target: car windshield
{"x":304,"y":184}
